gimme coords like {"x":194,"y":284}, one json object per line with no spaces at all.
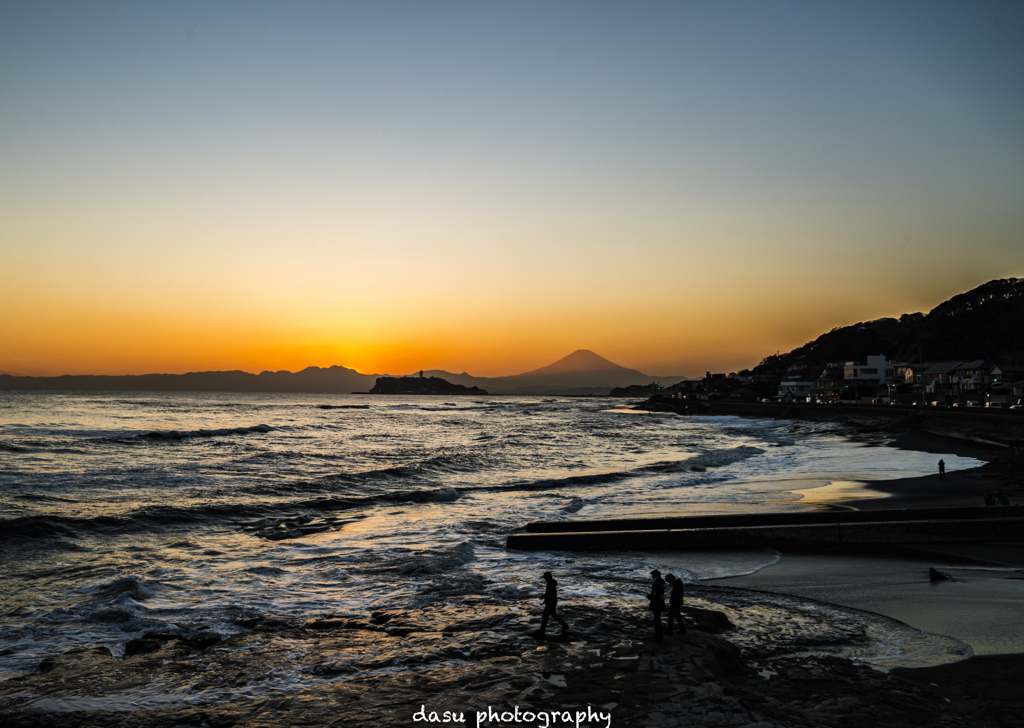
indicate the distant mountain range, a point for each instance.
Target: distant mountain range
{"x":581,"y":373}
{"x":984,"y":323}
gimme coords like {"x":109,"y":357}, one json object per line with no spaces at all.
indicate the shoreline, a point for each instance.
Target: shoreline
{"x":377,"y":670}
{"x":960,"y":488}
{"x":480,"y":655}
{"x":981,"y":611}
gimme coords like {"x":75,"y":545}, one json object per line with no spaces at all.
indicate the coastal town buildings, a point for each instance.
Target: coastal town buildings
{"x":945,"y":382}
{"x":854,"y":381}
{"x":873,"y":380}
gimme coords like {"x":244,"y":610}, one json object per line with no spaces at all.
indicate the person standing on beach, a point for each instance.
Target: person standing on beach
{"x":675,"y":604}
{"x":942,"y":469}
{"x":550,"y":602}
{"x":657,"y":603}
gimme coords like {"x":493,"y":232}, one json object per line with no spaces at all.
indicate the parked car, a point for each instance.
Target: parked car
{"x":994,"y":405}
{"x":973,"y":404}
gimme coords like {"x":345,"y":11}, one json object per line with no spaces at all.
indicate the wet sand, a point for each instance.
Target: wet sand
{"x":960,"y":489}
{"x":980,"y":605}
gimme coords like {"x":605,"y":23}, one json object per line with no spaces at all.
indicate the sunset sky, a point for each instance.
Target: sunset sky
{"x":489,"y":186}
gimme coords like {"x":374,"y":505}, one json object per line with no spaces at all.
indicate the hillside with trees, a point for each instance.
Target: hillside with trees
{"x":984,"y":323}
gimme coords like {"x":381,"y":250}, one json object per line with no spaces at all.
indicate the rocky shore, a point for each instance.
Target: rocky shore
{"x":742,"y":663}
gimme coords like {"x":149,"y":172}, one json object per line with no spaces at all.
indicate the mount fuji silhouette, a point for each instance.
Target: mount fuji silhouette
{"x":582,"y":372}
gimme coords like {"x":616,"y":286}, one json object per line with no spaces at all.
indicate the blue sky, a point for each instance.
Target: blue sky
{"x":336,"y":179}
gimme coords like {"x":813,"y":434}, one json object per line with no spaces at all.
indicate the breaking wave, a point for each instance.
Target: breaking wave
{"x":697,"y":464}
{"x":185,"y":435}
{"x":423,"y":562}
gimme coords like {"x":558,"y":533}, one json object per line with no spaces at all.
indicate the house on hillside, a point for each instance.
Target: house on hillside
{"x":794,"y":391}
{"x":1005,"y":383}
{"x":828,"y":386}
{"x":683,"y":389}
{"x":719,"y":385}
{"x":874,"y":371}
{"x":957,"y":381}
{"x":852,"y":381}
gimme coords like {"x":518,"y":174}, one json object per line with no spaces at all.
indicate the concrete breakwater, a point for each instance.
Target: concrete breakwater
{"x":818,"y":530}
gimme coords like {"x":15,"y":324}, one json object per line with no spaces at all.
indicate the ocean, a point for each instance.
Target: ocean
{"x":124,"y":513}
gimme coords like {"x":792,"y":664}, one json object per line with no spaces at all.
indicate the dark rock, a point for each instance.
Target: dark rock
{"x":142,"y":647}
{"x":381,"y":617}
{"x":936,"y":575}
{"x":709,"y":620}
{"x":201,"y":641}
{"x":46,"y":665}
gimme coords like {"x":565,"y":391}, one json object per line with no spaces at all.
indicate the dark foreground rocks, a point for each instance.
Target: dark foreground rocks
{"x":404,"y":668}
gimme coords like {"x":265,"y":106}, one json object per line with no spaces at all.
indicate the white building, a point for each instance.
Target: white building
{"x":874,"y":369}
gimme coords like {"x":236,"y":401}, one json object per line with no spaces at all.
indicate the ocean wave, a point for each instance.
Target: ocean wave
{"x":574,"y":505}
{"x":454,"y":585}
{"x":117,"y":591}
{"x":443,"y":494}
{"x":150,"y":519}
{"x":143,"y":520}
{"x":423,"y":562}
{"x":567,"y":482}
{"x":44,"y":497}
{"x":700,"y":463}
{"x":426,"y":469}
{"x":697,"y":464}
{"x":439,"y":495}
{"x":222,"y":432}
{"x":174,"y":435}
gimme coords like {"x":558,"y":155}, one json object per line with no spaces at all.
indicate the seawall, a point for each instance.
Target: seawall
{"x":817,"y":531}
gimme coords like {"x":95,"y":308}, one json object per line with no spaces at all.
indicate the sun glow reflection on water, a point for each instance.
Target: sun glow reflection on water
{"x":172,"y":501}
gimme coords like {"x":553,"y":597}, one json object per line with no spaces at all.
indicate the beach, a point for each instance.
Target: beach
{"x":271,"y":561}
{"x":979,"y":605}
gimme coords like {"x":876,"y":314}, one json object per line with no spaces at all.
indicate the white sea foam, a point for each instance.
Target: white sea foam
{"x":414,"y":504}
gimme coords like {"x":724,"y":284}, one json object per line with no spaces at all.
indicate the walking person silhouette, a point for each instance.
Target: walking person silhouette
{"x":675,"y":604}
{"x":550,"y":602}
{"x":657,"y":603}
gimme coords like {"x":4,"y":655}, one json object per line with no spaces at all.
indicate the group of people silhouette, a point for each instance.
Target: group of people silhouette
{"x":656,"y":603}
